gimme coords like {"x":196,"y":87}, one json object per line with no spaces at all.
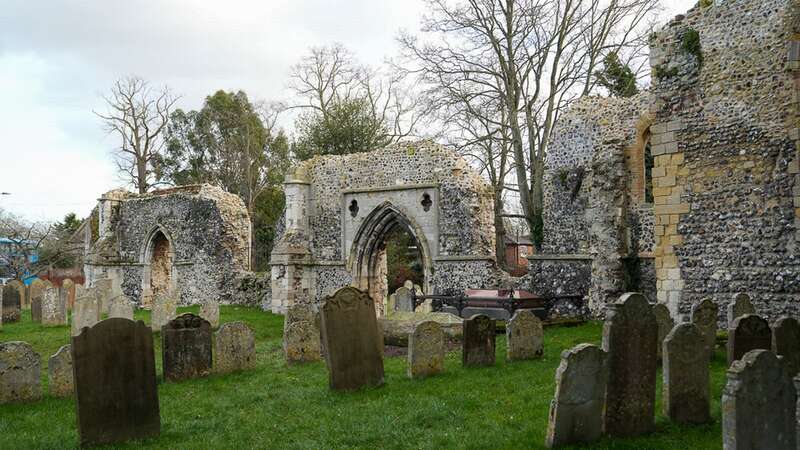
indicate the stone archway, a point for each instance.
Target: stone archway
{"x":158,"y":259}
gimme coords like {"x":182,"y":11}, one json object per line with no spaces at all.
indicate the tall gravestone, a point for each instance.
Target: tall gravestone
{"x":38,"y":289}
{"x":301,"y":338}
{"x":115,"y":382}
{"x":425,"y":350}
{"x":86,"y":312}
{"x":121,"y":307}
{"x":209,"y":310}
{"x":11,"y":304}
{"x":665,"y":324}
{"x":786,"y":343}
{"x":704,"y":315}
{"x":352,"y":342}
{"x":576,"y":412}
{"x":478,"y":341}
{"x":20,"y":370}
{"x":749,"y":332}
{"x":685,"y":376}
{"x":54,"y":308}
{"x":234,"y":348}
{"x":739,"y":306}
{"x":59,"y":373}
{"x":20,"y":287}
{"x":186,"y":347}
{"x":524,"y":336}
{"x":759,"y":404}
{"x":35,"y":289}
{"x":68,"y":291}
{"x":630,"y":337}
{"x":163,"y":310}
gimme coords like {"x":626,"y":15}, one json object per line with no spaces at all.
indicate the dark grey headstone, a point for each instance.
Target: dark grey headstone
{"x":403,"y":301}
{"x":665,"y":324}
{"x":749,"y":332}
{"x":786,"y":343}
{"x":186,"y":347}
{"x":630,"y":337}
{"x":704,"y":315}
{"x":37,"y":297}
{"x":115,"y":382}
{"x":12,"y":304}
{"x":739,"y":306}
{"x":478,"y":345}
{"x":686,"y":384}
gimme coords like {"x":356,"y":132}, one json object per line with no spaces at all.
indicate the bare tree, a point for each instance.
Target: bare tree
{"x":138,"y":115}
{"x":32,"y":247}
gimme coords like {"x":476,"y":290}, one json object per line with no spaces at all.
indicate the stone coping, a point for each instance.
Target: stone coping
{"x":446,"y":258}
{"x":561,"y":257}
{"x":399,"y":187}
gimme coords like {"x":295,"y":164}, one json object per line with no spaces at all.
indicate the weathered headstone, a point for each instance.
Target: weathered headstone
{"x":524,"y":336}
{"x":235,"y":348}
{"x":576,"y":412}
{"x":59,"y":373}
{"x":704,"y":315}
{"x":665,"y":324}
{"x":68,"y":290}
{"x":478,"y":343}
{"x":352,"y":342}
{"x":105,"y":292}
{"x":759,"y":404}
{"x":36,"y":289}
{"x":425,"y":350}
{"x":86,"y":312}
{"x":186,"y":347}
{"x":20,"y":287}
{"x":19,"y":373}
{"x":301,"y":338}
{"x":685,"y":376}
{"x":120,"y":306}
{"x":739,"y":306}
{"x":11,"y":304}
{"x":403,"y":300}
{"x":54,"y":309}
{"x":749,"y":332}
{"x":630,"y":337}
{"x":163,"y":310}
{"x":209,"y":310}
{"x":786,"y":343}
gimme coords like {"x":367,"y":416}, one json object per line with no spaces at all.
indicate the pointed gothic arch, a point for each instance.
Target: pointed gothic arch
{"x":157,"y":257}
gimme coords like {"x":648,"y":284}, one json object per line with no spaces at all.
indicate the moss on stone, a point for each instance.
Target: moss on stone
{"x":691,"y":44}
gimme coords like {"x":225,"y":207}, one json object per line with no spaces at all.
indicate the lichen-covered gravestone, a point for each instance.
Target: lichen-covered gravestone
{"x":665,"y":324}
{"x":209,"y":310}
{"x":749,"y":332}
{"x":630,"y":337}
{"x":186,"y":347}
{"x":121,"y":307}
{"x":478,"y":343}
{"x":576,"y":412}
{"x":301,"y":338}
{"x":524,"y":336}
{"x":759,"y":404}
{"x":59,"y":373}
{"x":704,"y":315}
{"x":163,"y":310}
{"x":115,"y":382}
{"x":86,"y":312}
{"x":685,"y":374}
{"x":739,"y":306}
{"x":786,"y":343}
{"x":54,"y":308}
{"x":19,"y":373}
{"x":234,"y":348}
{"x":11,"y":304}
{"x":353,"y":344}
{"x":425,"y":350}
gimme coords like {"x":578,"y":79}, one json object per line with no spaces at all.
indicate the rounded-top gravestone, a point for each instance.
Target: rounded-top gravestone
{"x":425,"y":350}
{"x":186,"y":347}
{"x":749,"y":332}
{"x":524,"y":336}
{"x":234,"y":348}
{"x":20,"y":369}
{"x":704,"y":315}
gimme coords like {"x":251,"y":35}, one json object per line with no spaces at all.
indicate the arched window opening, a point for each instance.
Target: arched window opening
{"x":648,"y":173}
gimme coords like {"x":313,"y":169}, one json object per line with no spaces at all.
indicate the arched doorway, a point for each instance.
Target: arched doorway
{"x":158,"y":259}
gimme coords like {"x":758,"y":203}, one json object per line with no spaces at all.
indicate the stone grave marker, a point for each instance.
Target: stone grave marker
{"x":425,"y":350}
{"x":163,"y":310}
{"x":186,"y":347}
{"x":19,"y":373}
{"x":704,"y":315}
{"x":403,"y":300}
{"x":665,"y":324}
{"x":20,"y":287}
{"x":105,"y":291}
{"x":121,"y":307}
{"x":301,"y":338}
{"x":739,"y":306}
{"x":59,"y":373}
{"x":576,"y":412}
{"x":68,"y":291}
{"x":351,"y":339}
{"x":37,"y":296}
{"x":786,"y":343}
{"x":524,"y":336}
{"x":749,"y":332}
{"x":478,"y":343}
{"x":759,"y":404}
{"x":35,"y":289}
{"x":117,"y":398}
{"x":11,"y":304}
{"x":234,"y":348}
{"x":54,"y":308}
{"x":209,"y":310}
{"x":685,"y":376}
{"x":86,"y":312}
{"x":630,"y":337}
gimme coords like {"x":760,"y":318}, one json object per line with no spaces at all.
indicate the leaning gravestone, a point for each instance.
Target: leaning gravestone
{"x":786,"y":343}
{"x":478,"y":344}
{"x":739,"y":306}
{"x":758,"y":404}
{"x":234,"y":348}
{"x":403,"y":301}
{"x":54,"y":308}
{"x":186,"y":347}
{"x":163,"y":310}
{"x":86,"y":312}
{"x":425,"y":350}
{"x":685,"y":391}
{"x":524,"y":336}
{"x":704,"y":315}
{"x":665,"y":324}
{"x":121,"y":307}
{"x":115,"y":382}
{"x":749,"y":332}
{"x":301,"y":338}
{"x":353,"y":344}
{"x":11,"y":304}
{"x":576,"y":412}
{"x":19,"y":373}
{"x":59,"y":373}
{"x":630,"y":337}
{"x":209,"y":310}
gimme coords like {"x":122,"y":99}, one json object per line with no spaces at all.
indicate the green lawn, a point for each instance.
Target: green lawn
{"x":275,"y":406}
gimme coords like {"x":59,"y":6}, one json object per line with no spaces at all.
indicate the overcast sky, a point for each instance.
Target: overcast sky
{"x":58,"y":56}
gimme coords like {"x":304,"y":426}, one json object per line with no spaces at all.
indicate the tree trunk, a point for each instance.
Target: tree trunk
{"x":499,"y":229}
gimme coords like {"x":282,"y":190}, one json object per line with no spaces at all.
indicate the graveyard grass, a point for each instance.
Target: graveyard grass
{"x":275,"y":406}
